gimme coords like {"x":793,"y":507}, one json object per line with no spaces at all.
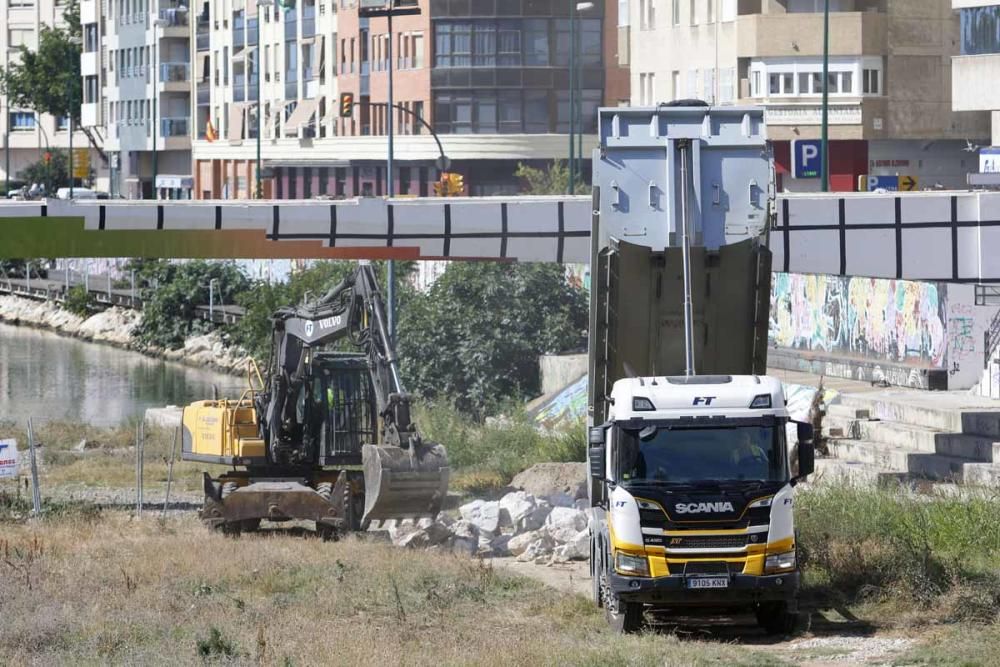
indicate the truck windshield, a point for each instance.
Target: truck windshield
{"x":679,"y":455}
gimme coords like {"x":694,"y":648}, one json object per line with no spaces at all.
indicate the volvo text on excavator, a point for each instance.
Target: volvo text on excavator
{"x":322,"y":435}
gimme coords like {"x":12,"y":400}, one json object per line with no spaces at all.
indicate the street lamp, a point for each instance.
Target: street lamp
{"x":259,"y":193}
{"x":388,"y":9}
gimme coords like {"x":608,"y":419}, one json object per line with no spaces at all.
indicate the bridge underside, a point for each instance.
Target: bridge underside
{"x":942,"y":236}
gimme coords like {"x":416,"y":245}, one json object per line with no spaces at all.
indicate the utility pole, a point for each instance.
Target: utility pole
{"x":825,"y":131}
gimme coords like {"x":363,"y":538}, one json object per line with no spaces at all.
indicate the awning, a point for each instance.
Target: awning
{"x":235,"y":128}
{"x":303,"y":112}
{"x":251,"y":8}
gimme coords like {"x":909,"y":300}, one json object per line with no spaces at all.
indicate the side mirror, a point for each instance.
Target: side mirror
{"x":596,"y":455}
{"x":805,"y":433}
{"x":807,"y":458}
{"x":595,"y":436}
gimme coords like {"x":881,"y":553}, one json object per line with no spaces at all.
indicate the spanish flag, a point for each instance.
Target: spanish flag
{"x":210,"y":133}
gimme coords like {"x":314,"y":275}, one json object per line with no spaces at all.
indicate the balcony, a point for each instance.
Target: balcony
{"x":174,"y":127}
{"x":89,"y":63}
{"x":203,"y":34}
{"x":175,"y":72}
{"x":968,"y":76}
{"x":204,"y":94}
{"x":174,"y":17}
{"x":291,"y":27}
{"x":90,"y":115}
{"x":797,"y":35}
{"x":251,"y":32}
{"x":291,"y":90}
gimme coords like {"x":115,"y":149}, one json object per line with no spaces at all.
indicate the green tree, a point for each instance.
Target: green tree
{"x":474,"y":338}
{"x":261,"y":300}
{"x":174,"y":291}
{"x":52,"y":171}
{"x":553,"y":180}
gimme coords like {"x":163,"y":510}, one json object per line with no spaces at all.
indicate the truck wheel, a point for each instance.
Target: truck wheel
{"x":596,"y":567}
{"x":776,"y":619}
{"x":624,"y":618}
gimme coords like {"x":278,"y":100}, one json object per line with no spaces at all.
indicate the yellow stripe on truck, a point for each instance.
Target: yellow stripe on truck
{"x":624,"y":547}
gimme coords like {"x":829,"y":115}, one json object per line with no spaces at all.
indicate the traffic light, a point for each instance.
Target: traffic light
{"x":450,"y":185}
{"x":47,"y":157}
{"x":346,"y":105}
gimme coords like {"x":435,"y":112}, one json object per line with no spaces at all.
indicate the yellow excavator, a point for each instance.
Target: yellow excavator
{"x":322,"y":435}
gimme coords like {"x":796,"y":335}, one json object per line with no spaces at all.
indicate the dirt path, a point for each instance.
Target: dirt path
{"x":831,"y":639}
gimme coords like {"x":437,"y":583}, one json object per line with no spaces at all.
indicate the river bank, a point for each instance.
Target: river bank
{"x":115,"y":327}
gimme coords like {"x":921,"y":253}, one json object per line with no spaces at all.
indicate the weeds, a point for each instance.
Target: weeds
{"x":487,"y":456}
{"x":216,"y":646}
{"x":935,"y":554}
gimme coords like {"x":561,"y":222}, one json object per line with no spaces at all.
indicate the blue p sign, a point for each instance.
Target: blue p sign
{"x":806,"y":160}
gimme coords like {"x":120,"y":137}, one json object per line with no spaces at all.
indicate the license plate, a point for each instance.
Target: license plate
{"x":708,"y":582}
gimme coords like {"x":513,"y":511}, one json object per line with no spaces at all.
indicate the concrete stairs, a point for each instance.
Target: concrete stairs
{"x":907,"y":436}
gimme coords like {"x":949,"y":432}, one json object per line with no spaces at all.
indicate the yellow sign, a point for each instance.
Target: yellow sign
{"x":907,"y":183}
{"x":81,"y":163}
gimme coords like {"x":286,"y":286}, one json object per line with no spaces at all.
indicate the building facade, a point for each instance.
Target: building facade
{"x":490,"y":78}
{"x":26,"y":135}
{"x":136,"y":68}
{"x":977,"y":66}
{"x":889,"y":79}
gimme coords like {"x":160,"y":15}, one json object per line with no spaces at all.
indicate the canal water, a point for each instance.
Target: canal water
{"x":49,"y":377}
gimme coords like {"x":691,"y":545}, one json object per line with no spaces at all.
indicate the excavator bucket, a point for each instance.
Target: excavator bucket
{"x":404,"y":483}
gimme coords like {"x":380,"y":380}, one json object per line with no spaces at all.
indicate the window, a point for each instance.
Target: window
{"x":647,"y":14}
{"x":804,"y":77}
{"x":676,"y":8}
{"x":535,"y":39}
{"x":90,"y":42}
{"x":647,"y":88}
{"x":692,"y":86}
{"x":726,"y":92}
{"x":780,"y":84}
{"x":872,"y":84}
{"x":693,"y":13}
{"x":710,"y":14}
{"x":22,"y":121}
{"x":980,"y":28}
{"x":418,"y":50}
{"x":675,"y":86}
{"x":729,"y":10}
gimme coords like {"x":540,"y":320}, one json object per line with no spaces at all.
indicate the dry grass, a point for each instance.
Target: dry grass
{"x":114,"y":590}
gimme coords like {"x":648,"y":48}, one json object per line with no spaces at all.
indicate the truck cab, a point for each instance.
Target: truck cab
{"x":692,"y":498}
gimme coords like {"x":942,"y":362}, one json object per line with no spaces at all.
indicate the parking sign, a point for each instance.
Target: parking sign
{"x":8,"y":458}
{"x":806,"y":158}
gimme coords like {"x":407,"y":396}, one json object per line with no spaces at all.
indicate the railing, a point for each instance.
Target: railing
{"x":174,"y":127}
{"x":291,"y":90}
{"x":175,"y":72}
{"x":987,"y":295}
{"x":203,"y":34}
{"x":238,"y":38}
{"x":173,"y":17}
{"x":239,"y":90}
{"x":204,"y":94}
{"x":308,"y":26}
{"x":992,"y":339}
{"x":251,"y":31}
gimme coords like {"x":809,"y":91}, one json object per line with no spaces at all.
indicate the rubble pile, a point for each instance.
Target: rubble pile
{"x":546,"y":528}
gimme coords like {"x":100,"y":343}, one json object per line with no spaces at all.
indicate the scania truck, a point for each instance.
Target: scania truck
{"x":696,"y":498}
{"x":693,"y":458}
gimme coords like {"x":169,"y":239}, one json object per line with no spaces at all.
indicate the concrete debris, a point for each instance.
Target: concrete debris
{"x":519,"y":524}
{"x":464,"y":538}
{"x":521,"y":512}
{"x":576,"y":549}
{"x":484,"y":514}
{"x":546,"y":479}
{"x":564,"y":523}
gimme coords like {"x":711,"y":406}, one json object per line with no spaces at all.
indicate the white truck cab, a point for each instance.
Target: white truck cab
{"x":693,"y":501}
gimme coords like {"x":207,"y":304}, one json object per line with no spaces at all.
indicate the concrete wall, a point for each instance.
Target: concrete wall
{"x":924,"y":325}
{"x":559,"y":370}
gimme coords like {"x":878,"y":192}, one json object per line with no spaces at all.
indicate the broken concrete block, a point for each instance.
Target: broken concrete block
{"x":484,"y":513}
{"x":565,"y":523}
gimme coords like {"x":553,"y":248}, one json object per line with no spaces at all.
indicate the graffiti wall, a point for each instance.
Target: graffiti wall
{"x":892,"y":320}
{"x":918,"y":324}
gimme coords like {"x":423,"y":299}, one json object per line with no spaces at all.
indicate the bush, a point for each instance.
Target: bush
{"x":489,"y":455}
{"x":79,"y":301}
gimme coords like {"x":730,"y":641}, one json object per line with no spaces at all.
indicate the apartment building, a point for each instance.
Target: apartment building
{"x":136,"y":68}
{"x":977,"y":66}
{"x":26,"y":135}
{"x":491,"y":78}
{"x":889,"y":79}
